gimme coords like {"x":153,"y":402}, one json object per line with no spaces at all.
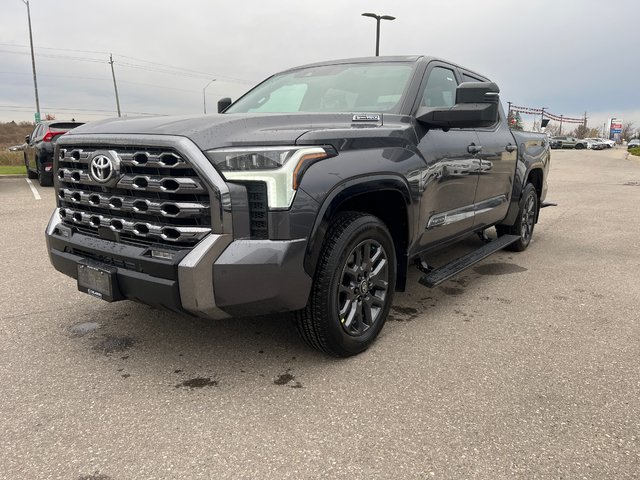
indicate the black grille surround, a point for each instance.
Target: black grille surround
{"x":156,"y":199}
{"x":258,"y":209}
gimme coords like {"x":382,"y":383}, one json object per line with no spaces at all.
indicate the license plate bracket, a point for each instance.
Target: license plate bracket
{"x":98,"y":280}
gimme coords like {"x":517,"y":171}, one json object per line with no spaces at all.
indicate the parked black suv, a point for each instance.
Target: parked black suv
{"x":38,"y":151}
{"x":315,"y":193}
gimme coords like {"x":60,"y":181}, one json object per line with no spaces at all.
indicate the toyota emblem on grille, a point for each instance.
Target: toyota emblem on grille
{"x":102,"y":168}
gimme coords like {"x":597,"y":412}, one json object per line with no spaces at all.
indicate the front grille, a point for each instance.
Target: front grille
{"x":257,"y":196}
{"x":156,"y":198}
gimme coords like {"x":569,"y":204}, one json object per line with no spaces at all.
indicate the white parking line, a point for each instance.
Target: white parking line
{"x":36,"y":195}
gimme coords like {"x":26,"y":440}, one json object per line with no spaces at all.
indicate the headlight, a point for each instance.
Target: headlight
{"x":279,"y":167}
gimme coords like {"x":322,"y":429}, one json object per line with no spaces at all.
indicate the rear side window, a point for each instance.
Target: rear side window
{"x":469,"y":78}
{"x":440,"y":90}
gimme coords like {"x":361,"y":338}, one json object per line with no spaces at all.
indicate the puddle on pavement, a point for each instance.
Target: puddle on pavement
{"x":198,"y":382}
{"x":499,"y":269}
{"x":84,"y":328}
{"x":287,"y":379}
{"x":111,"y":344}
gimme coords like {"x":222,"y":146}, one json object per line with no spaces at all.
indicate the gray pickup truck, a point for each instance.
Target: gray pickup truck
{"x":313,"y":193}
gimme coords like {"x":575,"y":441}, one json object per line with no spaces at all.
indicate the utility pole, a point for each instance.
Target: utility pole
{"x":33,"y":62}
{"x":204,"y":96}
{"x":560,"y":133}
{"x":542,"y":118}
{"x":585,"y":119}
{"x":115,"y":85}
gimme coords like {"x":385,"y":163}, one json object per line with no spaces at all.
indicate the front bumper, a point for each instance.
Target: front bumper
{"x":218,"y":278}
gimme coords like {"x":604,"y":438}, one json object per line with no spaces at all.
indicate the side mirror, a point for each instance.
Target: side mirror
{"x":476,"y":107}
{"x":27,"y":138}
{"x":223,"y":104}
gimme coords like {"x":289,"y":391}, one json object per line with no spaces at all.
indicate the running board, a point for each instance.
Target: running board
{"x":441,"y":274}
{"x":548,"y":204}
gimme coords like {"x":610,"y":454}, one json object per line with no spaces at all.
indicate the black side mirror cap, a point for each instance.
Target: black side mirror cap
{"x":476,"y":107}
{"x":27,"y":138}
{"x":466,"y":115}
{"x":223,"y":104}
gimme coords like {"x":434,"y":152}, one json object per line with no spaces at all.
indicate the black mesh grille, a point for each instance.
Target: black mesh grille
{"x":257,"y":197}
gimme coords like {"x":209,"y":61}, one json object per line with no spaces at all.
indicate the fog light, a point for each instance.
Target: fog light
{"x":162,"y":254}
{"x":64,"y":231}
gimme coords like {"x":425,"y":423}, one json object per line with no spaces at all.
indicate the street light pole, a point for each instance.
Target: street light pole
{"x":33,"y":62}
{"x":378,"y":18}
{"x":204,"y":97}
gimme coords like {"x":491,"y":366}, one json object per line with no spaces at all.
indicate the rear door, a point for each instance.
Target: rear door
{"x":497,"y":170}
{"x":449,"y":174}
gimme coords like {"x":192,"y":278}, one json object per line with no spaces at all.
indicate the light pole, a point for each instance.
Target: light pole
{"x":204,"y":97}
{"x":378,"y":18}
{"x":33,"y":62}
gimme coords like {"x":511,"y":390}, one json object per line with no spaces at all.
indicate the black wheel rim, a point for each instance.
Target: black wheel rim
{"x":363,"y":288}
{"x":528,"y":218}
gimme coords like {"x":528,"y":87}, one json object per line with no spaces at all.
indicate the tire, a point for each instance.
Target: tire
{"x":30,"y":174}
{"x":44,"y":180}
{"x":580,"y":146}
{"x":525,"y":221}
{"x":352,"y":288}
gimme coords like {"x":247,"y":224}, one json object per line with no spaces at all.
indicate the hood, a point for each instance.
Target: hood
{"x":228,"y":130}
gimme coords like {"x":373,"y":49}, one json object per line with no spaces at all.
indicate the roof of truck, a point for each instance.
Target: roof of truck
{"x":385,"y":59}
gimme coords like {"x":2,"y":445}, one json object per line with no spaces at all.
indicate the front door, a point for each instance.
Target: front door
{"x":450,"y":171}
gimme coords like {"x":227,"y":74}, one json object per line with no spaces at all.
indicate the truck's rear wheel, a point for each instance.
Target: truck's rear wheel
{"x":353,"y":286}
{"x":525,"y":221}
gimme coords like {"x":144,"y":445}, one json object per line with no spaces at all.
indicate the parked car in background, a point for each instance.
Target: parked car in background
{"x":635,"y":143}
{"x":595,"y":144}
{"x":554,"y":143}
{"x":568,"y":142}
{"x":607,"y":142}
{"x":39,"y":146}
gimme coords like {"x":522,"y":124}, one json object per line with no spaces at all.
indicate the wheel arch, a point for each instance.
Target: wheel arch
{"x":383,"y":196}
{"x":534,"y":175}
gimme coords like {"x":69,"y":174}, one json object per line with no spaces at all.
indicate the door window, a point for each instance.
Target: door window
{"x":440,"y":90}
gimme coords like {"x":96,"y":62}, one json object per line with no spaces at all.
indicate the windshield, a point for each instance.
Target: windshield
{"x":361,"y":87}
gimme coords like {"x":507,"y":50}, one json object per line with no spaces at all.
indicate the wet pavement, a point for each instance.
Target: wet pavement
{"x":525,"y":366}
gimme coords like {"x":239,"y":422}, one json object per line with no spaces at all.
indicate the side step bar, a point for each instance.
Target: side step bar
{"x":548,"y":204}
{"x":437,"y":276}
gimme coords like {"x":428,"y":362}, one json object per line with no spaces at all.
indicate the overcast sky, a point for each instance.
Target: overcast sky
{"x":569,"y":56}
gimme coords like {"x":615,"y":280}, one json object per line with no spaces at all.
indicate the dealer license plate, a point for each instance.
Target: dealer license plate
{"x":97,"y":280}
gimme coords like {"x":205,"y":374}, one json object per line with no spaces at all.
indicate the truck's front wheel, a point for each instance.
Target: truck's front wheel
{"x":353,"y":286}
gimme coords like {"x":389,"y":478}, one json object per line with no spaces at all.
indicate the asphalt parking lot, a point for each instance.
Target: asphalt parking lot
{"x":526,"y":366}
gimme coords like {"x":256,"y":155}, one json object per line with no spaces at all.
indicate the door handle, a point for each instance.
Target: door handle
{"x":473,"y":148}
{"x":510,"y":148}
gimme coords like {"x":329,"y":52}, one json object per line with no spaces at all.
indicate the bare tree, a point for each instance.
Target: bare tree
{"x":627,"y":130}
{"x":580,"y":132}
{"x":552,"y":129}
{"x":594,"y":133}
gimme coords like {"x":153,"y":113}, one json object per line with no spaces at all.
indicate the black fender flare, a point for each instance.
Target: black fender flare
{"x":516,"y":195}
{"x":344,"y":191}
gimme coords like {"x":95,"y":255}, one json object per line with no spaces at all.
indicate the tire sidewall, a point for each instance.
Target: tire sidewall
{"x":528,"y":192}
{"x":364,"y":228}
